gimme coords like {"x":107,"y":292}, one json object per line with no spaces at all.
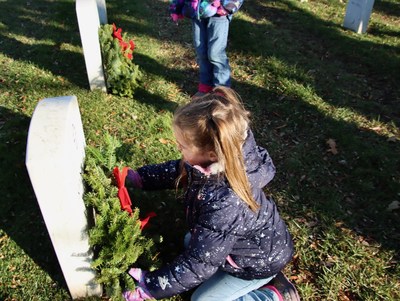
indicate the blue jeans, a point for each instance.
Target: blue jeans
{"x":210,"y":38}
{"x":224,"y":287}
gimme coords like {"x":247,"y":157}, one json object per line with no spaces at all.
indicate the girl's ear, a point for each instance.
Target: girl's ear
{"x":213,"y":156}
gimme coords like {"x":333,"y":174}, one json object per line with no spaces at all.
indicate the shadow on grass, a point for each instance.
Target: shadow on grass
{"x":20,"y":216}
{"x":323,"y":53}
{"x":46,"y":34}
{"x":320,"y":49}
{"x":355,"y":186}
{"x":359,"y":183}
{"x":390,"y":8}
{"x":156,"y":101}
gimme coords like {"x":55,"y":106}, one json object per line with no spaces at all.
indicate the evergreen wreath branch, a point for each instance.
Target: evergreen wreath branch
{"x":122,"y":75}
{"x":116,"y":237}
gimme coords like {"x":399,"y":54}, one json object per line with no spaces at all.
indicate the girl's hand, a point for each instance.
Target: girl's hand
{"x":137,"y":295}
{"x":136,"y":274}
{"x":140,"y":293}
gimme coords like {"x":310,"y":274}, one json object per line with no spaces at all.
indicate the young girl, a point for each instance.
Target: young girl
{"x":237,"y":242}
{"x":210,"y":23}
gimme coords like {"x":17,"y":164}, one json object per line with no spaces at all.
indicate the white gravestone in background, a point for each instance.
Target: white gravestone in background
{"x":101,"y":7}
{"x":87,"y":12}
{"x":54,"y":159}
{"x":357,"y":15}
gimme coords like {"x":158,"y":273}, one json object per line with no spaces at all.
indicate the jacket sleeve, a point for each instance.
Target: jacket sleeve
{"x":267,"y":168}
{"x":211,"y":241}
{"x":160,"y":176}
{"x":259,"y":166}
{"x":176,"y":6}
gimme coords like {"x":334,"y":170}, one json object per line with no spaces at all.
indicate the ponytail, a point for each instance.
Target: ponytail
{"x":219,"y":122}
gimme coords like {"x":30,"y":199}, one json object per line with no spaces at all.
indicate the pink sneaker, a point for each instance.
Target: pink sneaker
{"x":274,"y":289}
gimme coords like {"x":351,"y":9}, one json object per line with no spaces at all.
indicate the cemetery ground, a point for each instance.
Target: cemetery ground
{"x":324,"y":102}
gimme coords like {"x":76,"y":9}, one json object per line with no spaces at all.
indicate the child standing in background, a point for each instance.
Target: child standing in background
{"x":210,"y":24}
{"x":237,"y":243}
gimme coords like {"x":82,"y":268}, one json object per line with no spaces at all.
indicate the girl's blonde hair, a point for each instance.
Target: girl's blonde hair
{"x":218,"y":122}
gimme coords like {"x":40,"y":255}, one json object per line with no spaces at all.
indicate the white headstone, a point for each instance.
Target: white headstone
{"x":101,"y":7}
{"x":89,"y":23}
{"x":54,"y":159}
{"x":357,"y":15}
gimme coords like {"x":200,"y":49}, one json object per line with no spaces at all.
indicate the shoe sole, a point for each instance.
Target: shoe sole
{"x":287,"y":289}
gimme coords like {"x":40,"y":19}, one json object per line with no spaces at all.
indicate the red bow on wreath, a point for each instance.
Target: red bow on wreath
{"x":124,"y":197}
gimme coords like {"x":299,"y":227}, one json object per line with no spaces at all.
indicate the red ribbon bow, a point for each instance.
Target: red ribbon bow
{"x":124,"y":197}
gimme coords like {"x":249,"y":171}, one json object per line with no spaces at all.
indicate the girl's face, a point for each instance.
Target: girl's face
{"x":192,"y":154}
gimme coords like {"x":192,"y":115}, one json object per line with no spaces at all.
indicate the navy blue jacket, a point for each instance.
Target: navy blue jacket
{"x":221,"y":224}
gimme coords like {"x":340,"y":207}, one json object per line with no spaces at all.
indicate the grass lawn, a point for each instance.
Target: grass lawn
{"x":325,"y":102}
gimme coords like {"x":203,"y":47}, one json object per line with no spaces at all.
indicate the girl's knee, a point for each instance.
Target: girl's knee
{"x":200,"y":295}
{"x":195,"y":297}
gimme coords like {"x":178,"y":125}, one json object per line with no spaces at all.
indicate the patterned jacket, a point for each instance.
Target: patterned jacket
{"x":225,"y":233}
{"x":204,"y":8}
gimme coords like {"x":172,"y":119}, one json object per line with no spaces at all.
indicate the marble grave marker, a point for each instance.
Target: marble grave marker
{"x":88,"y":15}
{"x":54,"y":159}
{"x":357,"y":15}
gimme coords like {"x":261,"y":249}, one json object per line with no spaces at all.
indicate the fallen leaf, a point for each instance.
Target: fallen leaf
{"x":312,"y":223}
{"x":342,"y":296}
{"x":332,"y":146}
{"x":314,"y":246}
{"x":393,"y":206}
{"x":163,"y":141}
{"x":377,"y":129}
